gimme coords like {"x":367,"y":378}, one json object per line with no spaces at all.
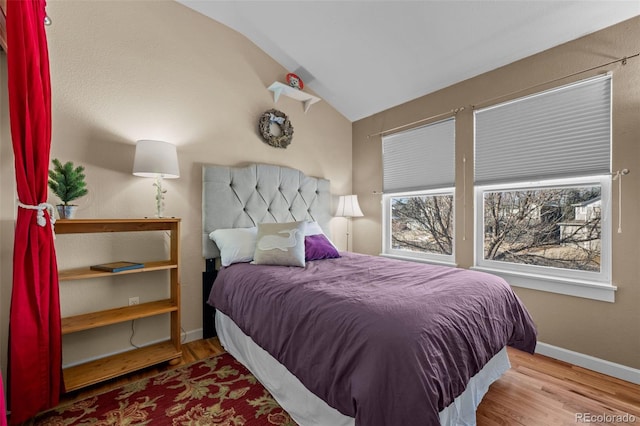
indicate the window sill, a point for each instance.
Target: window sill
{"x":419,"y":260}
{"x":569,"y":287}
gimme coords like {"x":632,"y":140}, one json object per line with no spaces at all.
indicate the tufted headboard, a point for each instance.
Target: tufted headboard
{"x":242,"y":197}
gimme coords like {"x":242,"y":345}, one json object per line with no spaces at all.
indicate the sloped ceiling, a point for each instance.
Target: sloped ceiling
{"x":367,"y":56}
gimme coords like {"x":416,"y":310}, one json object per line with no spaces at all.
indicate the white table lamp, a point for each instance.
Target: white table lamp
{"x":348,"y":207}
{"x":158,"y":160}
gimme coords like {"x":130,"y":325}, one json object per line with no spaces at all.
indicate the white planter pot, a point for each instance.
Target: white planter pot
{"x":66,"y":212}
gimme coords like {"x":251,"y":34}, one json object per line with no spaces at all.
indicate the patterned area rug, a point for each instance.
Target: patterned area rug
{"x":215,"y":391}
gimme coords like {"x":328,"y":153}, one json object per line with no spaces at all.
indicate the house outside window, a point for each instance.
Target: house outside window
{"x":418,"y":200}
{"x":542,"y":175}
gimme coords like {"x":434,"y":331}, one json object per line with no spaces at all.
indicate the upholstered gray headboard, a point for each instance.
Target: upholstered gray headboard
{"x":242,"y":197}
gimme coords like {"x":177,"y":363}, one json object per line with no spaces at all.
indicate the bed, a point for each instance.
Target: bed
{"x":351,"y":340}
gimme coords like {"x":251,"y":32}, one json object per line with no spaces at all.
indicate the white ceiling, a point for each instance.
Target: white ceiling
{"x":363,"y":57}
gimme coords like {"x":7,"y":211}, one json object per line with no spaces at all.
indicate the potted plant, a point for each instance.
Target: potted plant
{"x":68,"y":184}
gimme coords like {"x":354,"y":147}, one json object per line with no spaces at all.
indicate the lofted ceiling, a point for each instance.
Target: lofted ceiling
{"x":363,"y":57}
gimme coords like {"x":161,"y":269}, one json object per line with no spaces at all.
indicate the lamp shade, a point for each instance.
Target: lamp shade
{"x":348,"y":206}
{"x":156,"y":158}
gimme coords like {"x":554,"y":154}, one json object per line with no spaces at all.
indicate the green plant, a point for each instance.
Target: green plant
{"x":66,"y":181}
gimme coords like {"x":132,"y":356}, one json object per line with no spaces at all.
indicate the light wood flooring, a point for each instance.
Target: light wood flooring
{"x":542,"y":391}
{"x":536,"y":391}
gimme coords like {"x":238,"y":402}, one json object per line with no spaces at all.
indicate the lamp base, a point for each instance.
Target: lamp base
{"x":159,"y":197}
{"x":348,"y":220}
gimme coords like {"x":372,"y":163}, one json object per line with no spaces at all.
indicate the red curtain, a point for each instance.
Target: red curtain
{"x":35,"y":354}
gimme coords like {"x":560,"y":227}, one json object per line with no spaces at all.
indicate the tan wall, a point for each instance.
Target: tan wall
{"x":600,"y":329}
{"x":129,"y":70}
{"x":7,"y":207}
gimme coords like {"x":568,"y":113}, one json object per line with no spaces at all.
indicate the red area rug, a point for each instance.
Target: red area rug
{"x":215,"y":391}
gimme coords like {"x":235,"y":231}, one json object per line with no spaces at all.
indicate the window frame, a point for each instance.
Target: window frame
{"x":387,"y":249}
{"x":588,"y":284}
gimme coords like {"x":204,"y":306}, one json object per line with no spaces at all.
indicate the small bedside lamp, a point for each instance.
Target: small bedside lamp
{"x":158,"y":160}
{"x":348,"y":207}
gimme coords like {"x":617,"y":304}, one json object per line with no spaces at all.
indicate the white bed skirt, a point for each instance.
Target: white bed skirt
{"x":307,"y":409}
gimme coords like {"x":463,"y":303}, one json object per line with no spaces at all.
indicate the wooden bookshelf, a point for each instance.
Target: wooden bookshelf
{"x":112,"y":366}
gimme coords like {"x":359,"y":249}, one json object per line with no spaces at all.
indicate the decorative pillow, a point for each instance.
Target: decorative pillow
{"x":280,"y":244}
{"x":318,"y":247}
{"x":313,"y":228}
{"x":236,"y":245}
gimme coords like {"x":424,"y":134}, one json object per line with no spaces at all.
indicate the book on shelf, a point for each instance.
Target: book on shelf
{"x":117,"y":266}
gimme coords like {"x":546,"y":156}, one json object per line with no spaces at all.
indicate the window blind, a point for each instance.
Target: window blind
{"x":559,"y":133}
{"x":420,"y":158}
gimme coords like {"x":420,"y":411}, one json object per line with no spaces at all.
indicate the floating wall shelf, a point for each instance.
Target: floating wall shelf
{"x":282,"y":89}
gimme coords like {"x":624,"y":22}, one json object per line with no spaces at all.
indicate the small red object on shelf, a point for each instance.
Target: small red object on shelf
{"x":295,"y":81}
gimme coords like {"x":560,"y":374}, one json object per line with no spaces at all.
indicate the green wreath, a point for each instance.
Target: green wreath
{"x":273,"y":116}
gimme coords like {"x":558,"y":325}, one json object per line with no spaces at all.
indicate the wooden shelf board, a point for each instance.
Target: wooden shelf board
{"x":107,"y":368}
{"x":81,"y":226}
{"x":117,"y":315}
{"x":82,"y":273}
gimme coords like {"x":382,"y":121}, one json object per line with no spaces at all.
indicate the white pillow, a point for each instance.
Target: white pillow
{"x":312,"y":228}
{"x":236,"y":245}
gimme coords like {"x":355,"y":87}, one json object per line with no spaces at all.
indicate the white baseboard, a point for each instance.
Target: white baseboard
{"x":592,"y":363}
{"x":190,"y":336}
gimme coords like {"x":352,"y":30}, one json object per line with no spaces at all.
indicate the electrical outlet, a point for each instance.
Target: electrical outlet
{"x":134,"y":300}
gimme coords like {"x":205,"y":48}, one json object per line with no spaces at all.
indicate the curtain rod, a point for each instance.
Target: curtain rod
{"x":455,"y":111}
{"x":623,"y":60}
{"x":433,"y":117}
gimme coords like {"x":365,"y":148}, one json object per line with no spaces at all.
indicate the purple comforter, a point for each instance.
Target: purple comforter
{"x":385,"y":341}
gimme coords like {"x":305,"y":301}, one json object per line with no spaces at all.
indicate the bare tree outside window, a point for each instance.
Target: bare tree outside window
{"x":558,"y":228}
{"x":422,"y":223}
{"x":550,"y":227}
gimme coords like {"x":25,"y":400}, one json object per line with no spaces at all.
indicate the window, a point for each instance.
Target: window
{"x":555,"y":228}
{"x":418,"y":207}
{"x":542,"y":185}
{"x":421,"y":225}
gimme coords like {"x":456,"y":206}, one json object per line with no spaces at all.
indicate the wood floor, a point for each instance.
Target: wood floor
{"x":536,"y":391}
{"x":542,"y":391}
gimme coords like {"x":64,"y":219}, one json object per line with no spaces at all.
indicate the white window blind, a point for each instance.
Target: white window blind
{"x":558,"y":133}
{"x":420,"y":158}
